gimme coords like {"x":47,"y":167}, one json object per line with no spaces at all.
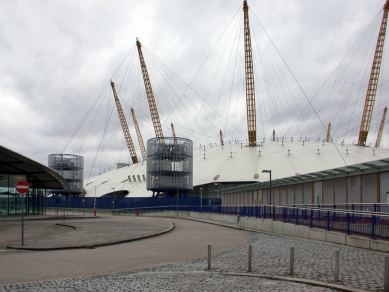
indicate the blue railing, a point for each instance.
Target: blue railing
{"x":373,"y":224}
{"x":370,"y":207}
{"x":121,"y":203}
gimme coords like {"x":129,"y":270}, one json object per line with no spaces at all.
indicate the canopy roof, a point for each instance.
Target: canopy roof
{"x":14,"y":163}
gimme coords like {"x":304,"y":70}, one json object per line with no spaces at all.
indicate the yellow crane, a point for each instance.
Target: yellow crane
{"x":381,"y":129}
{"x":138,"y":133}
{"x":373,"y":81}
{"x":150,"y":94}
{"x":126,"y":131}
{"x":250,"y":92}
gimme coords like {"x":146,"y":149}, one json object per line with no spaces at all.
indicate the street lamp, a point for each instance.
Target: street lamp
{"x":113,"y":200}
{"x":269,"y":172}
{"x":201,"y":198}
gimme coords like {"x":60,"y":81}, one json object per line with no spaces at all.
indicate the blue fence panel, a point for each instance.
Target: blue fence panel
{"x":123,"y":203}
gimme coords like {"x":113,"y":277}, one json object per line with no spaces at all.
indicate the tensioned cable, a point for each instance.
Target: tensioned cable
{"x":334,"y":72}
{"x":297,"y":83}
{"x":187,"y":88}
{"x":90,"y":126}
{"x":89,"y":111}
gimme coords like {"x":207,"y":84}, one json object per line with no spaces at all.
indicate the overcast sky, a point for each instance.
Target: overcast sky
{"x":58,"y":56}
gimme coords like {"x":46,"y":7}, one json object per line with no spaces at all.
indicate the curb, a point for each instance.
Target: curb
{"x":51,"y":218}
{"x":298,"y":280}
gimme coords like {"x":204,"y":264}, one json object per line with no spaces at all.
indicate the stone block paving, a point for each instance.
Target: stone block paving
{"x":161,"y":282}
{"x":359,"y":268}
{"x":90,"y":233}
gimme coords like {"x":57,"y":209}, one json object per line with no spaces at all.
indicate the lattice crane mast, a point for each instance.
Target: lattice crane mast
{"x":150,"y":94}
{"x":328,"y":138}
{"x":126,"y":131}
{"x":138,"y":133}
{"x":249,"y":72}
{"x":221,"y":138}
{"x":174,"y":132}
{"x":373,"y":81}
{"x":381,"y":129}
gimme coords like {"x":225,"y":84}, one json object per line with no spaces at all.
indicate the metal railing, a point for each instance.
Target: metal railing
{"x":369,"y":207}
{"x":373,"y":224}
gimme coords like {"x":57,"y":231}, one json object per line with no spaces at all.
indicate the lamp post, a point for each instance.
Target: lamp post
{"x":269,"y":172}
{"x":217,"y":193}
{"x":201,"y":199}
{"x":113,"y":200}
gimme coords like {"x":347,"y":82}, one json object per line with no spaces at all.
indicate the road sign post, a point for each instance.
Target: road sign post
{"x":22,"y":188}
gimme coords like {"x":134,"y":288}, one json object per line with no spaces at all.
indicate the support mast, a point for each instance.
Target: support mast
{"x":138,"y":133}
{"x":126,"y":131}
{"x":221,"y":138}
{"x":373,"y":81}
{"x":150,"y":94}
{"x":328,"y":138}
{"x":381,"y":129}
{"x":174,"y":132}
{"x":249,"y":72}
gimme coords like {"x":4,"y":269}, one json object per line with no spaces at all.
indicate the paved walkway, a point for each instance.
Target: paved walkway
{"x":176,"y":261}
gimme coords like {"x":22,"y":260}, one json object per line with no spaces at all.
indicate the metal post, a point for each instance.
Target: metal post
{"x":311,"y":218}
{"x":22,"y":221}
{"x":373,"y":223}
{"x":274,"y":213}
{"x":63,"y":200}
{"x":113,"y":200}
{"x":386,"y":276}
{"x":337,"y":265}
{"x":291,"y":262}
{"x":209,"y":256}
{"x":353,"y":208}
{"x":201,"y":199}
{"x":250,"y":257}
{"x":270,"y":187}
{"x":348,"y":223}
{"x":328,"y":220}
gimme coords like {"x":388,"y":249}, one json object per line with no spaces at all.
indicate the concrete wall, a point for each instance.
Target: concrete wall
{"x":279,"y":227}
{"x":290,"y":229}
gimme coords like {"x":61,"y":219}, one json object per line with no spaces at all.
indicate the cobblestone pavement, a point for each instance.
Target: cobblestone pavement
{"x":165,"y":282}
{"x":314,"y":260}
{"x":98,"y":232}
{"x":359,"y":268}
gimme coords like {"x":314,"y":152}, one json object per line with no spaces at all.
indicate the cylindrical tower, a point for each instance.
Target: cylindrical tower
{"x":169,"y":166}
{"x":71,"y":168}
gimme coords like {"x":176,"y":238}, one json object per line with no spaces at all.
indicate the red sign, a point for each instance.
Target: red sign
{"x":22,"y":186}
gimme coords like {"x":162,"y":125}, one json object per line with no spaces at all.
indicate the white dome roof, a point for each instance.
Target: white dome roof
{"x":240,"y":163}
